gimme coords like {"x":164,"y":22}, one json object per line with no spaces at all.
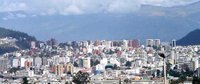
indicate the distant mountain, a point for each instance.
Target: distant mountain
{"x":147,"y":22}
{"x":192,"y":38}
{"x":14,"y":40}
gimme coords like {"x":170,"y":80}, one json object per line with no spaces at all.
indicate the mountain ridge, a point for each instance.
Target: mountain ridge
{"x":149,"y":22}
{"x":192,"y":38}
{"x":14,"y":40}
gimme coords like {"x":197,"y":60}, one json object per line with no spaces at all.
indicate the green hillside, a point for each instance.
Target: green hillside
{"x":23,"y":40}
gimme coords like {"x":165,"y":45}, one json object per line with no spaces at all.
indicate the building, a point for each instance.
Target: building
{"x":196,"y":63}
{"x":30,"y":73}
{"x":3,"y":64}
{"x":33,"y":45}
{"x":153,"y":42}
{"x":44,"y":61}
{"x":125,"y":43}
{"x":69,"y":68}
{"x":37,"y":61}
{"x":85,"y":62}
{"x":149,"y":42}
{"x":135,"y":43}
{"x":52,"y":42}
{"x":197,"y":72}
{"x":97,"y":43}
{"x":173,"y":43}
{"x":64,"y":59}
{"x":15,"y":62}
{"x":28,"y":63}
{"x":58,"y":69}
{"x":22,"y":62}
{"x":156,"y":42}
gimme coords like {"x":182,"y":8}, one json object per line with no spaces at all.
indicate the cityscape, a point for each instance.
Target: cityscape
{"x":105,"y":62}
{"x":99,"y":42}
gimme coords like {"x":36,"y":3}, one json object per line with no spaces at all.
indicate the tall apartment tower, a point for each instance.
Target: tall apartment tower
{"x":173,"y":43}
{"x":156,"y":42}
{"x":149,"y":42}
{"x":59,"y":69}
{"x":3,"y":64}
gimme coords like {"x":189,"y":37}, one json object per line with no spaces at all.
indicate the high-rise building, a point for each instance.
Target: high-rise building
{"x":149,"y":42}
{"x":74,"y":44}
{"x":130,"y":43}
{"x":69,"y":68}
{"x":37,"y":61}
{"x":33,"y":45}
{"x":125,"y":43}
{"x":85,"y":62}
{"x":97,"y":43}
{"x":173,"y":43}
{"x":58,"y":69}
{"x":22,"y":62}
{"x":196,"y":62}
{"x":3,"y":64}
{"x":136,"y":43}
{"x":28,"y":64}
{"x":15,"y":62}
{"x":44,"y":61}
{"x":153,"y":42}
{"x":156,"y":42}
{"x":52,"y":42}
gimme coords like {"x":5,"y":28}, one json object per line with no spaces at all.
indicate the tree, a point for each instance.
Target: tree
{"x":75,"y":64}
{"x":158,"y":73}
{"x":81,"y":78}
{"x":25,"y":80}
{"x":174,"y":82}
{"x":196,"y":80}
{"x":115,"y":66}
{"x":128,"y":64}
{"x":174,"y":73}
{"x":13,"y":70}
{"x":109,"y":67}
{"x":127,"y":81}
{"x":168,"y":67}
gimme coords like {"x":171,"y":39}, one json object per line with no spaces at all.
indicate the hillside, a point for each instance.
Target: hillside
{"x":14,"y":40}
{"x":191,"y":38}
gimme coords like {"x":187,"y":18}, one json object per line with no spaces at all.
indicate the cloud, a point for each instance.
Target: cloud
{"x":14,"y":16}
{"x":125,"y":6}
{"x":77,"y":7}
{"x":167,"y":3}
{"x":13,"y":6}
{"x":158,"y":13}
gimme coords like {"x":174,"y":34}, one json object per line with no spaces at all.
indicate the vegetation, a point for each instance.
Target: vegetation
{"x":182,"y":76}
{"x":14,"y":69}
{"x":5,"y":49}
{"x":81,"y":78}
{"x":25,"y":80}
{"x":128,"y":64}
{"x":196,"y":80}
{"x":127,"y":81}
{"x":23,"y":40}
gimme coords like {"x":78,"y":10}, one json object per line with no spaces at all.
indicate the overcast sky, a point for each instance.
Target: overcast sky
{"x":78,"y":7}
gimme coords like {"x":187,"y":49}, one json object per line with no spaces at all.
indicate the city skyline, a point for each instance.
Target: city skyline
{"x":99,"y":41}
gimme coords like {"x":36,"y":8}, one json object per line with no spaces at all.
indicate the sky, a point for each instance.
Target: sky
{"x":100,"y":19}
{"x":79,"y":7}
